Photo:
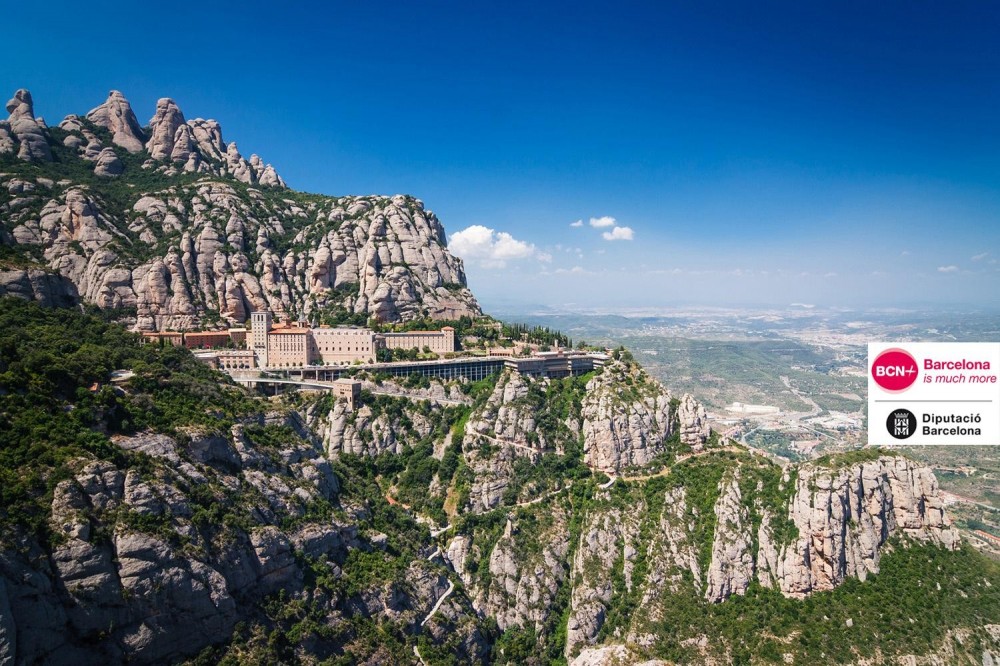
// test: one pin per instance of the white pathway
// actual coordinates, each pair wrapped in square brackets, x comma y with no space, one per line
[451,588]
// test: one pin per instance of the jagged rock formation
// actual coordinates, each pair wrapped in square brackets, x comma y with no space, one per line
[107,164]
[49,289]
[656,551]
[626,418]
[609,537]
[498,433]
[147,595]
[371,432]
[116,116]
[364,433]
[151,588]
[693,422]
[525,570]
[732,566]
[163,132]
[188,252]
[24,131]
[845,516]
[673,554]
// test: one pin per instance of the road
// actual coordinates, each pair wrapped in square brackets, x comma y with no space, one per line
[317,384]
[816,409]
[451,588]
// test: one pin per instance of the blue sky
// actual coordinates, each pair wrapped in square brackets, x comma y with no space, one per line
[750,153]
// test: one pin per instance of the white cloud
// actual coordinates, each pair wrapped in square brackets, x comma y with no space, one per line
[905,253]
[947,269]
[981,256]
[618,233]
[578,223]
[601,222]
[492,249]
[576,270]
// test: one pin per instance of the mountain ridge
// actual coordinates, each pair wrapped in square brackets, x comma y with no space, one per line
[164,514]
[173,223]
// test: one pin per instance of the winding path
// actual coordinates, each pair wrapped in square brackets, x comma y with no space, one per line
[451,588]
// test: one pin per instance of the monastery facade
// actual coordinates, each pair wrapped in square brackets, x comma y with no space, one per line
[293,345]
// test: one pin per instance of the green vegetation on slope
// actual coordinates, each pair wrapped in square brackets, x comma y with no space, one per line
[901,610]
[56,402]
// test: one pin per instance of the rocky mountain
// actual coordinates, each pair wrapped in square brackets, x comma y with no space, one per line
[170,515]
[149,521]
[151,511]
[565,564]
[172,225]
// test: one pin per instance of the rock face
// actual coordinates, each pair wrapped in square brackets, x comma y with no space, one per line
[143,590]
[163,128]
[732,566]
[845,516]
[217,245]
[499,433]
[626,418]
[608,538]
[525,571]
[107,164]
[49,289]
[366,433]
[692,422]
[116,116]
[23,128]
[146,569]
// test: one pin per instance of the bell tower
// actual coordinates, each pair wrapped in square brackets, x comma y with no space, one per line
[260,327]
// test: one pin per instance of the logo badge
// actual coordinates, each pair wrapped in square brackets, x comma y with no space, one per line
[901,423]
[894,370]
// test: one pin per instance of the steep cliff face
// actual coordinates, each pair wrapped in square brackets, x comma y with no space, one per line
[192,234]
[607,545]
[515,574]
[500,433]
[23,132]
[628,418]
[641,552]
[138,564]
[843,518]
[143,574]
[49,289]
[619,418]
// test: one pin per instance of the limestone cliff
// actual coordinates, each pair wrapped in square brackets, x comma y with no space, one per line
[49,289]
[844,516]
[524,570]
[152,566]
[652,551]
[500,432]
[628,417]
[137,564]
[201,236]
